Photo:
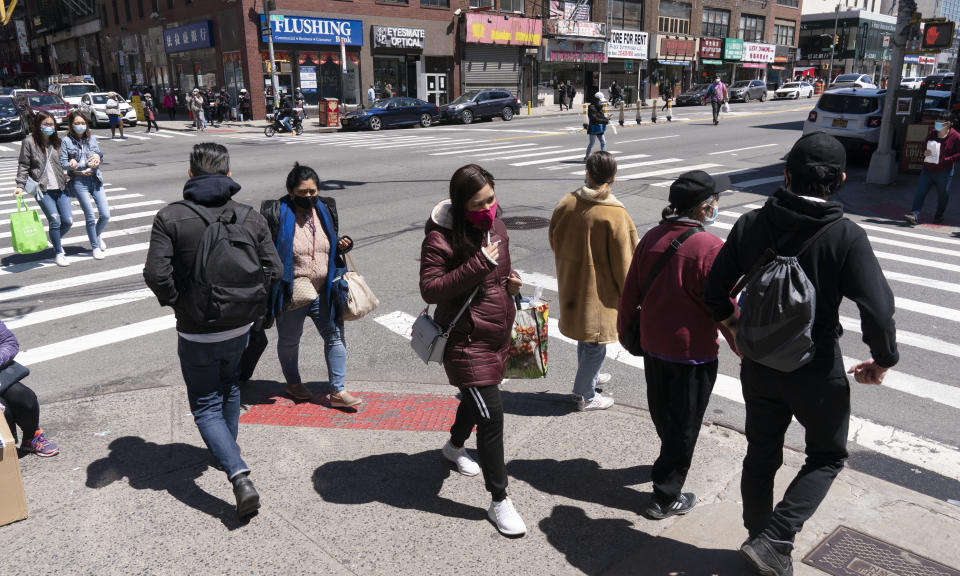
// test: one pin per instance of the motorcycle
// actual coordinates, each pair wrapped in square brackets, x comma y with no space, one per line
[276,126]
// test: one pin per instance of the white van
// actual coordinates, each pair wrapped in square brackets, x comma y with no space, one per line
[72,91]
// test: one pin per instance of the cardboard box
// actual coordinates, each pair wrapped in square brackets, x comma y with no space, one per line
[13,501]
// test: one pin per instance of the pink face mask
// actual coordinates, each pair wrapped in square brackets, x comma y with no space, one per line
[482,219]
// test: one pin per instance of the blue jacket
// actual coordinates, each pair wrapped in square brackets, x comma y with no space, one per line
[73,148]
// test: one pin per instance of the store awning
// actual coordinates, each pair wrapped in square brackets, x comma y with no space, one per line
[804,70]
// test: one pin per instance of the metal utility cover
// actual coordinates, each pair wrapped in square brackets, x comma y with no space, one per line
[847,552]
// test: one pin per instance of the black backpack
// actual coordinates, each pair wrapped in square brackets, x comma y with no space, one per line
[228,284]
[777,310]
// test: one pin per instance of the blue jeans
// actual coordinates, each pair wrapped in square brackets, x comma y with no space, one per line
[56,206]
[941,180]
[603,143]
[590,357]
[210,371]
[287,123]
[289,330]
[88,190]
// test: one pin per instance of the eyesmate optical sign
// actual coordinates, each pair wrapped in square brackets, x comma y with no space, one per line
[398,37]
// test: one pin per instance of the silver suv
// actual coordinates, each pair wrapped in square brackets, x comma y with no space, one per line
[850,115]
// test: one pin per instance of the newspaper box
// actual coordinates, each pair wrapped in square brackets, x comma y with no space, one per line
[329,112]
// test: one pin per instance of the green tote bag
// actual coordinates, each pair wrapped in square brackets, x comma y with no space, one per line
[26,230]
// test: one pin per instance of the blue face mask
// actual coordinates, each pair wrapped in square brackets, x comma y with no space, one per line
[713,217]
[80,130]
[48,130]
[938,126]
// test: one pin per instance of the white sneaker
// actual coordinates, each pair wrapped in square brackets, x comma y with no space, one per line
[598,402]
[61,259]
[465,464]
[603,378]
[98,254]
[103,246]
[506,518]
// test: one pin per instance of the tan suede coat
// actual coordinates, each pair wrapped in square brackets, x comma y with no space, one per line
[593,239]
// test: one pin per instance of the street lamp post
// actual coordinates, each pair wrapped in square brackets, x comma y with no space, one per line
[833,45]
[267,5]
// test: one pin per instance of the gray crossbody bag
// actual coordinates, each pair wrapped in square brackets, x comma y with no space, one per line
[428,339]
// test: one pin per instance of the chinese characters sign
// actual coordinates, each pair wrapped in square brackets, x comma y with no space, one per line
[485,29]
[754,52]
[576,28]
[733,49]
[676,48]
[556,50]
[711,48]
[188,37]
[627,44]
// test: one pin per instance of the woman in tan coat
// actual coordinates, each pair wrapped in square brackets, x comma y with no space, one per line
[593,239]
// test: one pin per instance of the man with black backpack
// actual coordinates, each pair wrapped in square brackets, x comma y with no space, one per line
[213,260]
[798,257]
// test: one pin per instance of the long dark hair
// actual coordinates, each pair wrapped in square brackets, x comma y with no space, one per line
[465,183]
[38,136]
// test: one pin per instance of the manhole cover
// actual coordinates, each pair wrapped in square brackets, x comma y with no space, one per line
[847,552]
[525,222]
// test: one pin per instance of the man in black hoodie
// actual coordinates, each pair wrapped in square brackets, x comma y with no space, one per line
[839,264]
[209,355]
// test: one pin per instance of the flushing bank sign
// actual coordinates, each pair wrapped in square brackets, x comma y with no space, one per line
[310,30]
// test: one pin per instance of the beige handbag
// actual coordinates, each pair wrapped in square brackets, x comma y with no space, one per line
[303,293]
[358,299]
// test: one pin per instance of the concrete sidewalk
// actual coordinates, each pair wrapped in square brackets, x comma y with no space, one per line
[134,491]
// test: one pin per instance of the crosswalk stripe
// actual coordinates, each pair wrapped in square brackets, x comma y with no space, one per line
[521,153]
[106,234]
[497,148]
[557,159]
[40,264]
[666,171]
[757,182]
[105,190]
[135,137]
[95,340]
[110,199]
[928,309]
[159,135]
[927,343]
[904,233]
[406,144]
[5,149]
[52,314]
[638,164]
[69,282]
[113,218]
[925,282]
[918,261]
[741,149]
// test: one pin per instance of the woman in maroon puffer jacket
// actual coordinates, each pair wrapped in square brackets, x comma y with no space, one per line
[466,252]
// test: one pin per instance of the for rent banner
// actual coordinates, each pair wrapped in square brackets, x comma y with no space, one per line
[627,44]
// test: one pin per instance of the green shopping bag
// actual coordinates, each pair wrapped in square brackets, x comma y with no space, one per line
[26,230]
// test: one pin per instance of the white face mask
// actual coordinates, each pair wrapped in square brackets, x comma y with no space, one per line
[712,217]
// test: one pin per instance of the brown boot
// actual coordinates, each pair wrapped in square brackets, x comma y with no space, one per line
[343,399]
[299,391]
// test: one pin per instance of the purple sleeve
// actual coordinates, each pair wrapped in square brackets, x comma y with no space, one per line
[8,345]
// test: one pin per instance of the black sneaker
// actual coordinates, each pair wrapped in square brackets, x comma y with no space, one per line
[683,504]
[911,219]
[248,500]
[765,559]
[938,219]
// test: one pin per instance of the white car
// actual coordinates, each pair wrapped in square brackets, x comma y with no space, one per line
[850,115]
[794,90]
[911,82]
[93,107]
[852,81]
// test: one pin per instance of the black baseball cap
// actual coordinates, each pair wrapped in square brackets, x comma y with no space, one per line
[817,155]
[692,188]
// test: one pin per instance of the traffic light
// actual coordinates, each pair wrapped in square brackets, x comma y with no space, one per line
[836,39]
[937,35]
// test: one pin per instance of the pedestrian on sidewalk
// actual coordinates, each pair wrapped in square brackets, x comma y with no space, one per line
[677,332]
[571,93]
[465,264]
[113,115]
[18,403]
[596,124]
[666,92]
[305,228]
[81,157]
[244,105]
[150,112]
[937,174]
[371,96]
[210,347]
[718,95]
[593,238]
[209,106]
[563,97]
[170,104]
[223,105]
[835,256]
[196,106]
[40,161]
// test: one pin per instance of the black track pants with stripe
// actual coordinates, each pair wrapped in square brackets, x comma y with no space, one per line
[482,407]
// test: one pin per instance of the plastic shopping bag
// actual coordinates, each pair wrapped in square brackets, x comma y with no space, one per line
[934,147]
[725,107]
[528,341]
[26,230]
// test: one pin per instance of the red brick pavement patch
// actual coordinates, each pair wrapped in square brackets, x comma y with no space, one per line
[379,411]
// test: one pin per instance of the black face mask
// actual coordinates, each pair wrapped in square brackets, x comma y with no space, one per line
[303,201]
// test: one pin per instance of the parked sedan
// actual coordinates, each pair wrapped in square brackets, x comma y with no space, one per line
[399,111]
[748,89]
[852,81]
[93,107]
[794,90]
[11,123]
[911,82]
[695,96]
[32,102]
[480,104]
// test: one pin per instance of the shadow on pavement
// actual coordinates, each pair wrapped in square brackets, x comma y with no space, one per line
[536,403]
[172,468]
[582,479]
[788,126]
[375,479]
[613,546]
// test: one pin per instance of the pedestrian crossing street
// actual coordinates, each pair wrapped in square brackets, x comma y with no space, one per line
[72,314]
[12,148]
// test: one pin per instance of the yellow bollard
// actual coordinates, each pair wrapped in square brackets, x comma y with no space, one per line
[528,107]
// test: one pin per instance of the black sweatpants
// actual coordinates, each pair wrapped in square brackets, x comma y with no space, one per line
[716,110]
[21,409]
[818,395]
[677,395]
[482,407]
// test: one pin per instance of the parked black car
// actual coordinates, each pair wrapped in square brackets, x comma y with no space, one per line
[480,104]
[11,122]
[392,112]
[695,96]
[747,90]
[938,81]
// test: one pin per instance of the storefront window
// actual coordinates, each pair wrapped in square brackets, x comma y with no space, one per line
[392,71]
[626,14]
[751,28]
[674,17]
[233,74]
[716,23]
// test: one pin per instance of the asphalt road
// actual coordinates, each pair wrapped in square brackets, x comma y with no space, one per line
[94,327]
